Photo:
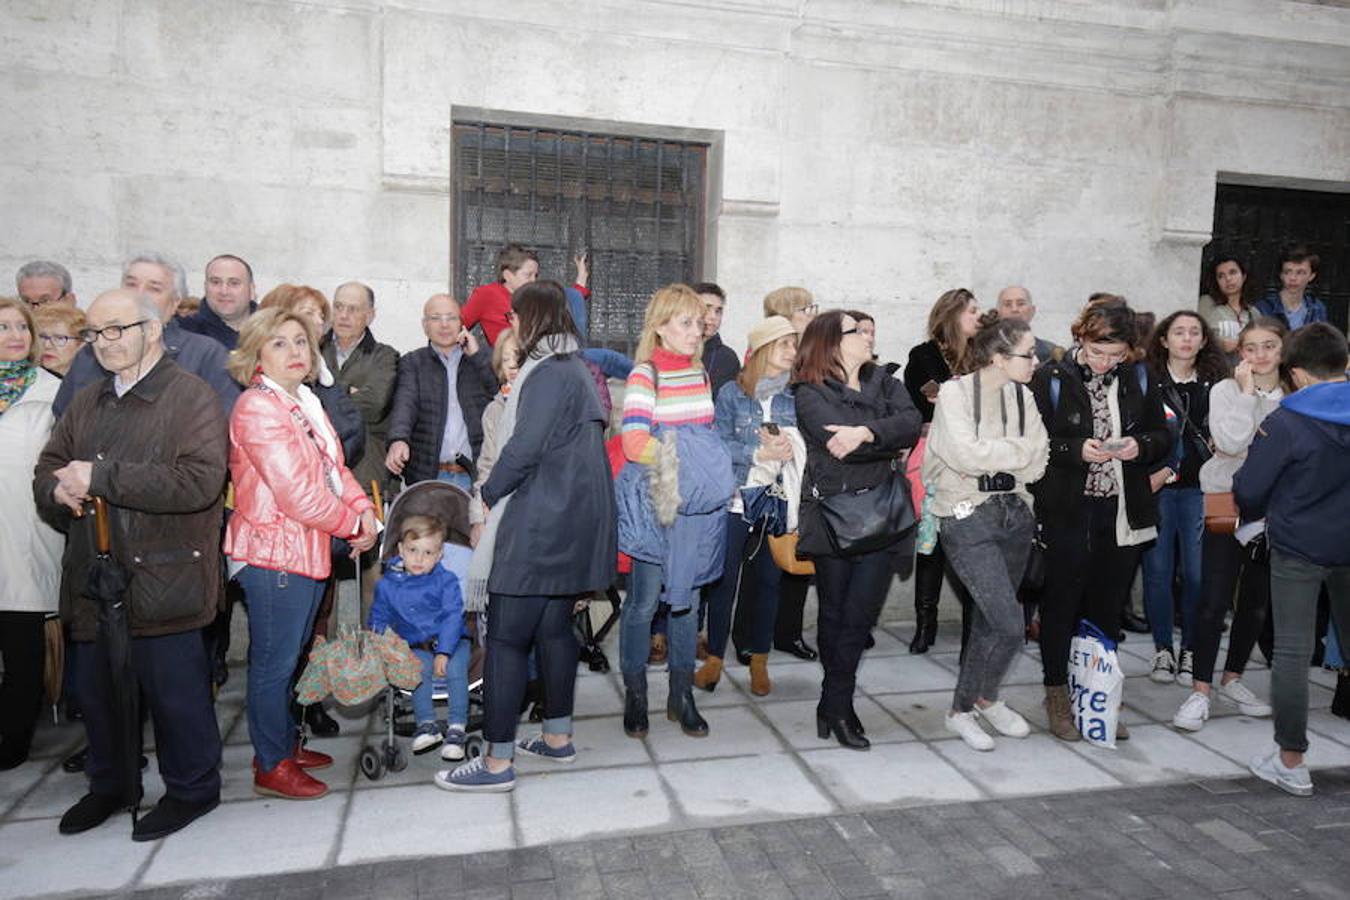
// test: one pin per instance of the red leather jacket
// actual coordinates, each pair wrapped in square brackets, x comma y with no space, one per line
[284,510]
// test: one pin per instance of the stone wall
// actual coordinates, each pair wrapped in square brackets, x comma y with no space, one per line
[877,152]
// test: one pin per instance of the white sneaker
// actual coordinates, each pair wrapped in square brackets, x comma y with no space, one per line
[968,726]
[1164,667]
[453,748]
[1005,720]
[1248,704]
[1193,713]
[1186,668]
[427,737]
[1294,781]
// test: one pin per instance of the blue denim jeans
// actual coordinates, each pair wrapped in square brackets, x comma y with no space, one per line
[281,608]
[635,623]
[516,626]
[456,686]
[1181,523]
[458,479]
[722,593]
[1333,657]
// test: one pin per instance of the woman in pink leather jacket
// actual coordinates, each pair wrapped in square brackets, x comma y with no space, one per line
[292,492]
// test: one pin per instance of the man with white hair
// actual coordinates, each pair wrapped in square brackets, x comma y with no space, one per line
[44,283]
[164,281]
[150,440]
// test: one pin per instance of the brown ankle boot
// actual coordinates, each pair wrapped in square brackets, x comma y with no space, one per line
[759,674]
[1057,710]
[709,673]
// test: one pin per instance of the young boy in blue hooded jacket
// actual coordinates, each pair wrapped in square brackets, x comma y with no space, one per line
[1297,477]
[420,599]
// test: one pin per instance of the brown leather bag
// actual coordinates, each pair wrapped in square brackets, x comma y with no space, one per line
[1221,513]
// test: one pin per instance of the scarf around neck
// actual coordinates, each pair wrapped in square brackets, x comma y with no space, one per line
[16,378]
[480,567]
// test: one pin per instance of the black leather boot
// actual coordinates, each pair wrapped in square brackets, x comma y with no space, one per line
[1340,704]
[635,705]
[680,704]
[927,592]
[320,723]
[843,731]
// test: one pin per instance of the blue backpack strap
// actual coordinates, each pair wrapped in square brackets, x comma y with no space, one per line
[1141,372]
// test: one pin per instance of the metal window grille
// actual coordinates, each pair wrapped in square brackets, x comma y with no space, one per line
[635,204]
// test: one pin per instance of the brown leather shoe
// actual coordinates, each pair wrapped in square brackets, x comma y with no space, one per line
[289,782]
[1057,710]
[760,685]
[709,673]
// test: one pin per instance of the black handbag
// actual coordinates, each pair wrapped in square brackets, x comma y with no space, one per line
[866,520]
[1033,579]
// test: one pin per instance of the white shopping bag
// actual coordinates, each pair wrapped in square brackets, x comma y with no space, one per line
[1095,685]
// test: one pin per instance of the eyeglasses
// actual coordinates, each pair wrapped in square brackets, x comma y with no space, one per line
[1027,356]
[57,340]
[1091,351]
[853,330]
[108,332]
[442,319]
[36,302]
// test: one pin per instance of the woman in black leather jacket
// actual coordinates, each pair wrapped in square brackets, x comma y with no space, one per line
[855,420]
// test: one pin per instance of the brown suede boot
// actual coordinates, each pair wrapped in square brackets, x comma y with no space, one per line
[1057,710]
[709,673]
[759,674]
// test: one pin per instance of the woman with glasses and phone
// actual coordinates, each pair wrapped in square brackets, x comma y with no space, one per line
[986,445]
[798,306]
[58,336]
[952,322]
[1095,504]
[855,420]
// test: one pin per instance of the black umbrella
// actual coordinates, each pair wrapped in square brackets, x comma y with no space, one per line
[107,586]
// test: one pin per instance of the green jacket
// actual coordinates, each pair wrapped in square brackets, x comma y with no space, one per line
[368,375]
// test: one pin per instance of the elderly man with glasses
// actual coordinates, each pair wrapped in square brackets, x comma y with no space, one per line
[150,439]
[42,283]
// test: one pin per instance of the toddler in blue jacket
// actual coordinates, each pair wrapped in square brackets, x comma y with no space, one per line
[420,599]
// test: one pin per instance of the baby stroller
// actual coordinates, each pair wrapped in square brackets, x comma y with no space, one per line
[451,505]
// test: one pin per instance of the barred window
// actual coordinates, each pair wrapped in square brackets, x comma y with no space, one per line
[635,204]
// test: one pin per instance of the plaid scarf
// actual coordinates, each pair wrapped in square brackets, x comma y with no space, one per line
[15,378]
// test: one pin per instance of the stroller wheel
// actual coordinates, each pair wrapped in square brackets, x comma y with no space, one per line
[473,746]
[394,758]
[372,766]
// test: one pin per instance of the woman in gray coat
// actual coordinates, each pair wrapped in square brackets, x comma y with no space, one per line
[549,539]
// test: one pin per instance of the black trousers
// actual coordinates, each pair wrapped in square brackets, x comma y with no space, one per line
[174,674]
[22,648]
[515,624]
[1224,566]
[851,591]
[1087,576]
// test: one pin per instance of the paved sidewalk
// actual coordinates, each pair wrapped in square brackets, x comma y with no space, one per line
[1235,839]
[762,764]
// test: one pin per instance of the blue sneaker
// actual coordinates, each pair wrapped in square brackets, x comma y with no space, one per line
[474,776]
[537,746]
[427,737]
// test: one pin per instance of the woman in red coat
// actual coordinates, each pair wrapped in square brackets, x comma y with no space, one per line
[292,493]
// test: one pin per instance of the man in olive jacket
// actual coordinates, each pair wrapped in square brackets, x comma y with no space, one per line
[151,440]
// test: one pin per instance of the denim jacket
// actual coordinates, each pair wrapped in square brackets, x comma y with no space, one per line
[739,417]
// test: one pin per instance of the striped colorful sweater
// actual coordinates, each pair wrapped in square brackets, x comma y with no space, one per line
[682,398]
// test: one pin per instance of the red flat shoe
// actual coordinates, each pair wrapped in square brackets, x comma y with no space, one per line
[289,782]
[306,758]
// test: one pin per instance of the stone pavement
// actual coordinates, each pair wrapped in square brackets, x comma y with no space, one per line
[919,812]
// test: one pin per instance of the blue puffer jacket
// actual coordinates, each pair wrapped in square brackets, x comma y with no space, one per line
[691,550]
[419,607]
[739,419]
